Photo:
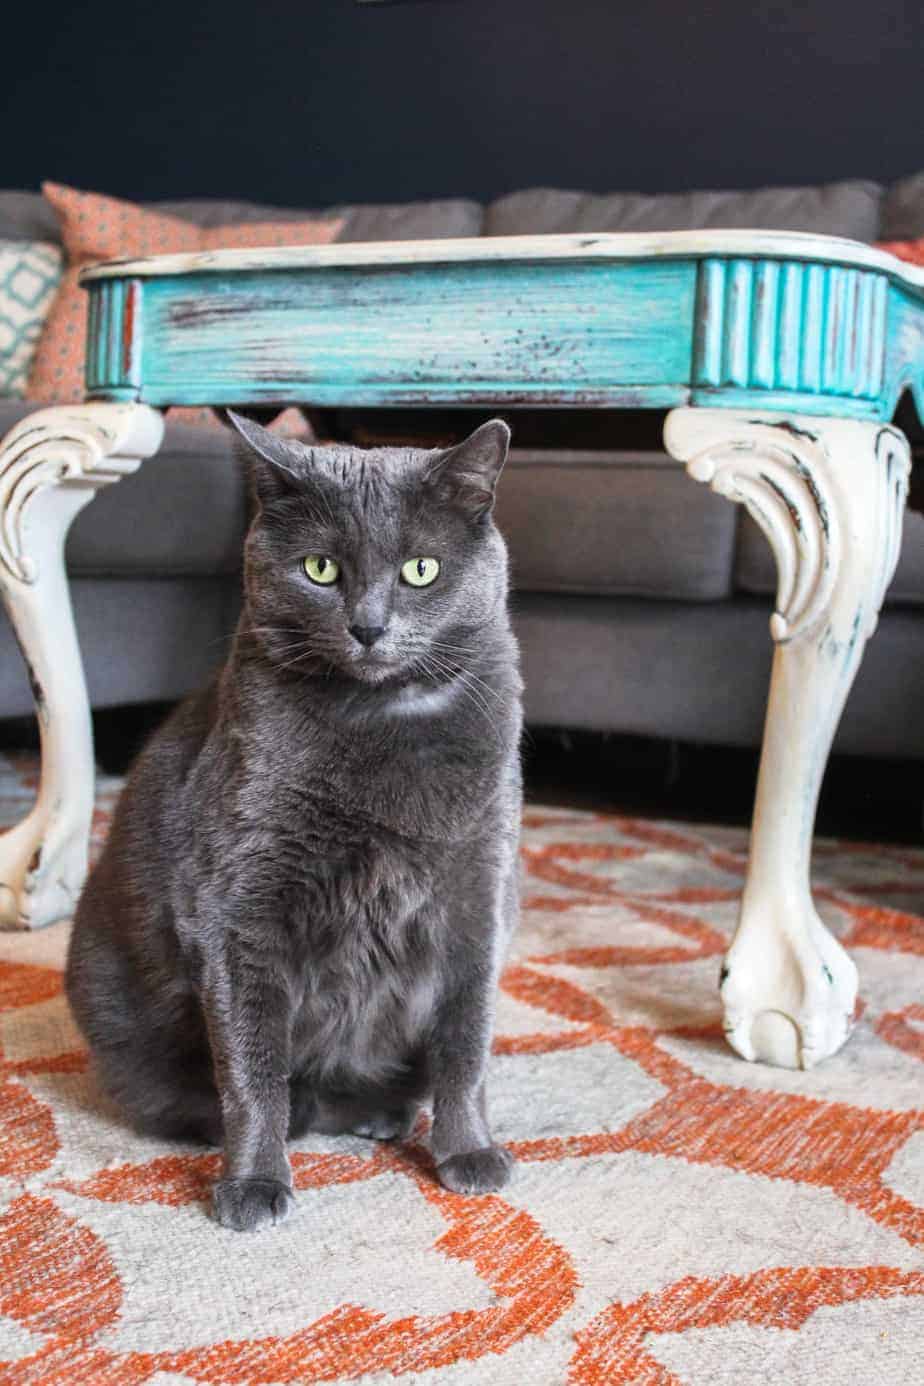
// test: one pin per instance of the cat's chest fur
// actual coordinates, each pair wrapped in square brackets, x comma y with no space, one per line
[366,926]
[365,907]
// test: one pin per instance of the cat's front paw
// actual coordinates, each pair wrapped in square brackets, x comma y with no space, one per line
[247,1204]
[478,1172]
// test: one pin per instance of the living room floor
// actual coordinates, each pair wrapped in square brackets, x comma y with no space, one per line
[672,1208]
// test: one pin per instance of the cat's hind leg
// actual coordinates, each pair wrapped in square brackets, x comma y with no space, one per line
[173,1101]
[150,1055]
[190,1113]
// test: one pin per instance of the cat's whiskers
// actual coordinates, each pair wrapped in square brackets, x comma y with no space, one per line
[469,691]
[473,696]
[256,632]
[273,651]
[273,630]
[306,653]
[443,646]
[288,647]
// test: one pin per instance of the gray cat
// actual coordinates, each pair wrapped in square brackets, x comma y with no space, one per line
[300,915]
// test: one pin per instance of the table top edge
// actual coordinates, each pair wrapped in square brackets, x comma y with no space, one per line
[583,246]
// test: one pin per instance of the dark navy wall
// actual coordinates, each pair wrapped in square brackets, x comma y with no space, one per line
[308,102]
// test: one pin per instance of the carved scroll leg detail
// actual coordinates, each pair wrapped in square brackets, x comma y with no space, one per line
[829,495]
[51,465]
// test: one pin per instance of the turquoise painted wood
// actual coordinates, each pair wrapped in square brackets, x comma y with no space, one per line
[438,334]
[736,331]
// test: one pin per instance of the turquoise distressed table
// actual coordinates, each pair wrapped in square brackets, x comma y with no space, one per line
[780,358]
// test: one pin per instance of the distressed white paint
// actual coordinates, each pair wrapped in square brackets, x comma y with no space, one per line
[829,495]
[785,245]
[51,464]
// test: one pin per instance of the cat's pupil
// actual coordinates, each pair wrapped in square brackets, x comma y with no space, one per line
[322,564]
[421,568]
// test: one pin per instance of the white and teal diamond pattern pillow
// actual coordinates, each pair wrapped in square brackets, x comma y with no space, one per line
[30,272]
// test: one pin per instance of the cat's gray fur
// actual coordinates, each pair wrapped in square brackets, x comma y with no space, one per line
[299,916]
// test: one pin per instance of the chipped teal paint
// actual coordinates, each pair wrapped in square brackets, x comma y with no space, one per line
[730,331]
[440,333]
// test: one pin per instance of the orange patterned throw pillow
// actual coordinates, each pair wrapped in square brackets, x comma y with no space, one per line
[95,228]
[905,250]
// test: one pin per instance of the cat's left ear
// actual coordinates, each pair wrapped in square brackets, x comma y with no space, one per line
[467,474]
[277,467]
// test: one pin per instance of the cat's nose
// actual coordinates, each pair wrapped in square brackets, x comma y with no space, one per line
[367,635]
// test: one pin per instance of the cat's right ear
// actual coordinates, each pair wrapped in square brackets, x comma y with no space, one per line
[276,467]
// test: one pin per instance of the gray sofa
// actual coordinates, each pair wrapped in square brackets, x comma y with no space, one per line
[641,599]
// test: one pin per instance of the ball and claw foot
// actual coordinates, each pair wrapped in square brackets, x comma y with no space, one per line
[789,1000]
[245,1205]
[478,1171]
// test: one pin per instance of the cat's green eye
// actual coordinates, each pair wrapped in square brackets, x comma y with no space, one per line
[321,569]
[420,572]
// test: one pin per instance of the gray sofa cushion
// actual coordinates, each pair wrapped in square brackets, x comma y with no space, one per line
[140,640]
[837,209]
[903,210]
[222,211]
[700,673]
[26,216]
[411,221]
[11,411]
[755,571]
[183,513]
[406,221]
[626,524]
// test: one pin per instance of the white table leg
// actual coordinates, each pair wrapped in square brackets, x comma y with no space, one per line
[829,495]
[51,464]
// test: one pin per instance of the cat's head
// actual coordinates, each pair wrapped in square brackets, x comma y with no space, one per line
[382,564]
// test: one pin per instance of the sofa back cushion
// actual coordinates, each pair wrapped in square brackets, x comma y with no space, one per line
[26,216]
[903,210]
[849,209]
[613,524]
[411,221]
[399,221]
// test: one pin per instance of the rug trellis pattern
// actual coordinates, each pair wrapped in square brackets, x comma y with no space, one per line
[677,1216]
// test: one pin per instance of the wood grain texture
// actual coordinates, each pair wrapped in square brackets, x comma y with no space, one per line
[742,320]
[517,332]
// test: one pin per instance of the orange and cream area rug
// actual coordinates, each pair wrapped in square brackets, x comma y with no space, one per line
[676,1216]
